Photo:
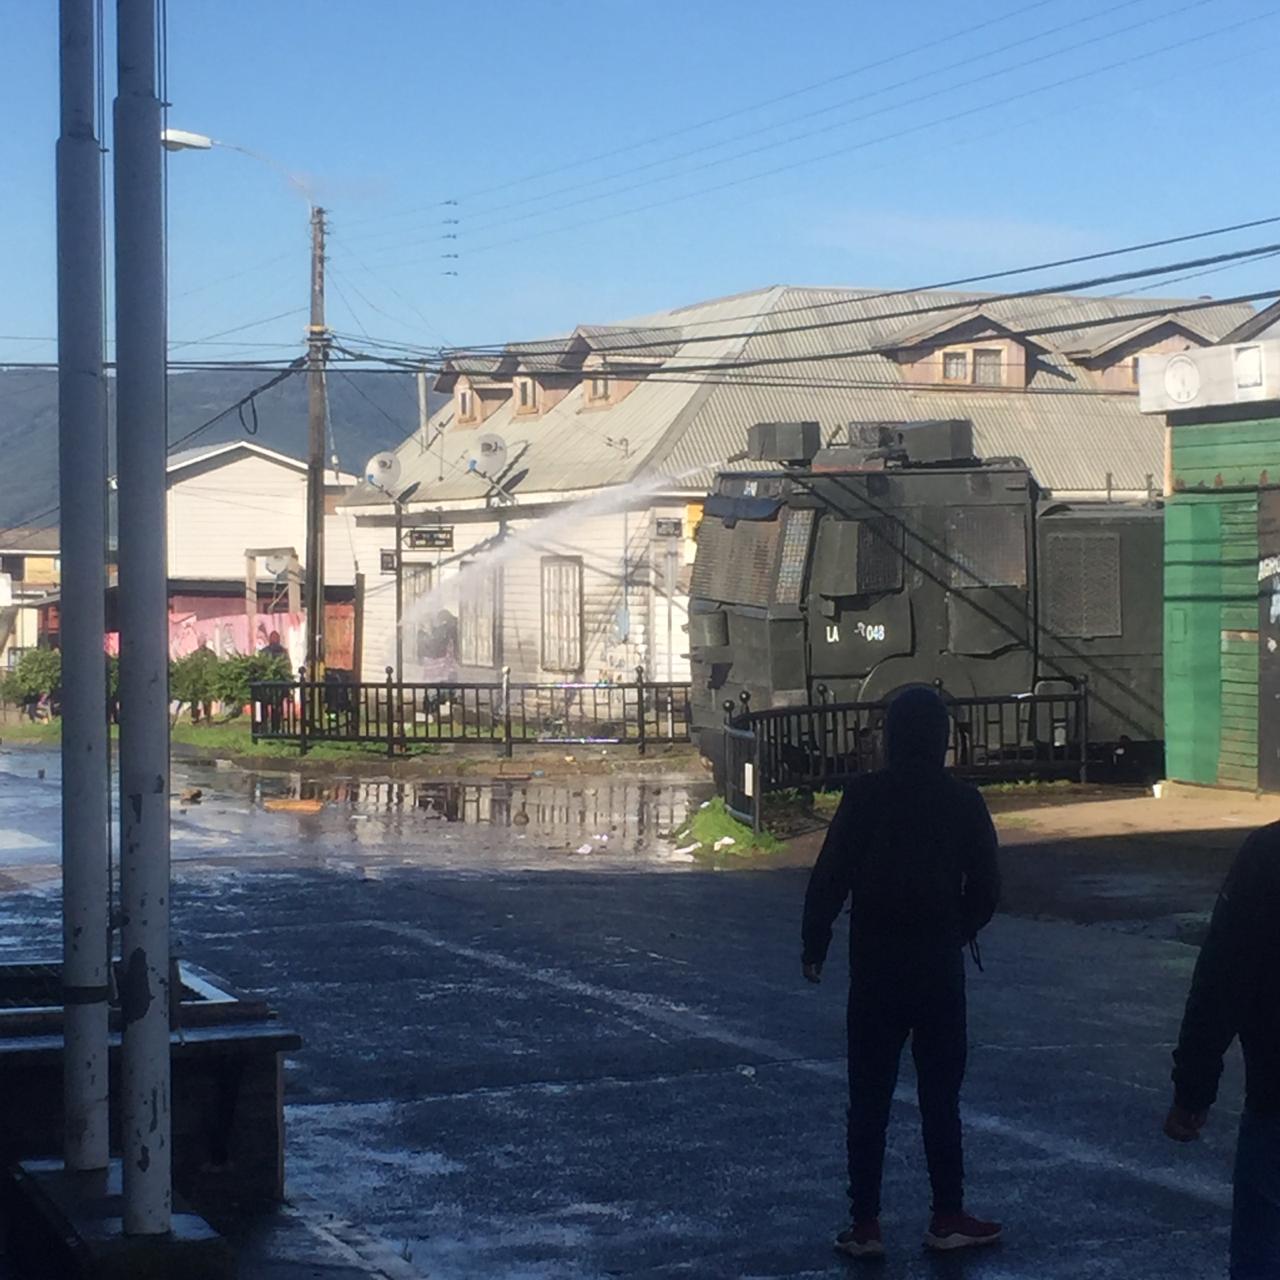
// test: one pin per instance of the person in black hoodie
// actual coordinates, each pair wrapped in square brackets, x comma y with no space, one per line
[1235,991]
[916,850]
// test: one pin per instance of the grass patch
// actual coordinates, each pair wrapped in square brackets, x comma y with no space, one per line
[230,739]
[720,837]
[33,732]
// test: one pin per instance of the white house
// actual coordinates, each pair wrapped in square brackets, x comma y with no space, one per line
[550,507]
[228,499]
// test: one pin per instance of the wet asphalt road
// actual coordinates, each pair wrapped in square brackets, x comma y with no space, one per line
[525,1061]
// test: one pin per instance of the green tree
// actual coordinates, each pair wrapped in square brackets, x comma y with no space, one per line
[39,672]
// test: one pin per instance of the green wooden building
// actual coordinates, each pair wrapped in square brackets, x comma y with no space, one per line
[1221,562]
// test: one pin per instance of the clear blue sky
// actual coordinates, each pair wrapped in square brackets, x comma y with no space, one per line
[390,107]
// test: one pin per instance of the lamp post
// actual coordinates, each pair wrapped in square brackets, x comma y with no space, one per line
[82,478]
[144,628]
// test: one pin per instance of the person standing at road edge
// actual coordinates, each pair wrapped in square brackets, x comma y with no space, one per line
[1235,991]
[915,848]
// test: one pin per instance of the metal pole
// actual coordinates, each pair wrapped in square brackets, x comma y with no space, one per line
[144,626]
[424,412]
[317,353]
[82,476]
[399,591]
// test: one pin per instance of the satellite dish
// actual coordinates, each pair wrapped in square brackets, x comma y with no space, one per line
[382,471]
[276,565]
[489,455]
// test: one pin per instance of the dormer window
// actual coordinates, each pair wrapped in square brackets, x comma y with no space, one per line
[466,405]
[955,366]
[599,389]
[526,395]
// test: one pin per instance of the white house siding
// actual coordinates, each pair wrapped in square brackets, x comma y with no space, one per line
[517,557]
[379,646]
[597,540]
[221,506]
[217,511]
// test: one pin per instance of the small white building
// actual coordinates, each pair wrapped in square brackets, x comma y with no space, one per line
[227,499]
[550,506]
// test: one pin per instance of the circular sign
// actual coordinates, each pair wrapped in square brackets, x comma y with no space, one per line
[1182,380]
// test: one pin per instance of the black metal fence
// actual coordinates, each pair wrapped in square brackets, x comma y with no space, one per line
[817,747]
[502,713]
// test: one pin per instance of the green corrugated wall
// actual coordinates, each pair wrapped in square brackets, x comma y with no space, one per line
[1211,600]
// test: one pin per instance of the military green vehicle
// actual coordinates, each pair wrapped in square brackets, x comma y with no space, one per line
[844,574]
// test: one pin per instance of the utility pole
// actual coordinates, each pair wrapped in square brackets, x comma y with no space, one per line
[141,326]
[317,354]
[82,481]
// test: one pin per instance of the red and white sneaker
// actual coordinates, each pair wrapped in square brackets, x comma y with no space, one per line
[959,1231]
[862,1240]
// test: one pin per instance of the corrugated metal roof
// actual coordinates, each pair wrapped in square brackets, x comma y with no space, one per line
[653,341]
[31,538]
[687,424]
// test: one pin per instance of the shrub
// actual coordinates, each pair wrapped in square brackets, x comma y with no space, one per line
[233,676]
[192,679]
[39,672]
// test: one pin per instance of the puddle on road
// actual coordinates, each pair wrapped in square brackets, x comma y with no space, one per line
[631,814]
[227,817]
[629,809]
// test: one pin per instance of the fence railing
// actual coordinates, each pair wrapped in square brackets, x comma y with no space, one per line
[502,713]
[824,745]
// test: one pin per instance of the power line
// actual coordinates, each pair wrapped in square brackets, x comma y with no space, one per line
[175,445]
[934,308]
[906,131]
[820,357]
[684,130]
[915,100]
[240,328]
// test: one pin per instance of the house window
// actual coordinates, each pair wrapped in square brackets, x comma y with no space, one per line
[955,366]
[464,405]
[1133,371]
[526,393]
[477,616]
[599,387]
[988,367]
[416,587]
[561,613]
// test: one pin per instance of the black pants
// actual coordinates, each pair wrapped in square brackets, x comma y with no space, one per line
[892,997]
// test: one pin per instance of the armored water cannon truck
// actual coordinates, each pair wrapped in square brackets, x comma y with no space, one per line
[898,557]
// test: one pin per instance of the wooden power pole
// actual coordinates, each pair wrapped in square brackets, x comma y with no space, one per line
[317,354]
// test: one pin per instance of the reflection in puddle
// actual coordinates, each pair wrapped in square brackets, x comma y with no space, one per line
[604,810]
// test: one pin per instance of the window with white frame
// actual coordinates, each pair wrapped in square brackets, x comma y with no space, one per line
[955,366]
[466,404]
[477,616]
[562,613]
[526,394]
[599,390]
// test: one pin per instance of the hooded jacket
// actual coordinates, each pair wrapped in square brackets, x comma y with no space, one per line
[1234,990]
[914,847]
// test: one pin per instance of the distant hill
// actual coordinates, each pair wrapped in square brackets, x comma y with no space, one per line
[368,412]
